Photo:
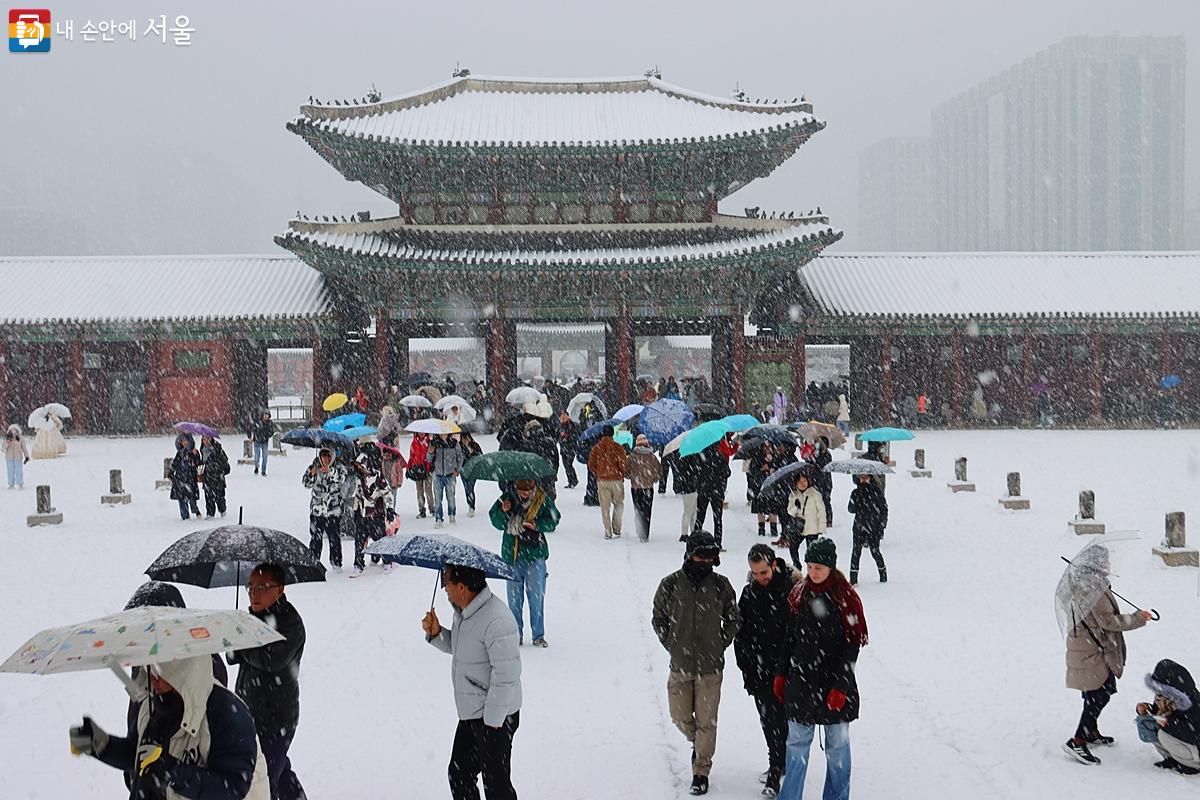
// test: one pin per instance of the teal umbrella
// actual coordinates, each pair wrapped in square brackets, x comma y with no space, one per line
[624,438]
[507,465]
[741,422]
[886,435]
[702,436]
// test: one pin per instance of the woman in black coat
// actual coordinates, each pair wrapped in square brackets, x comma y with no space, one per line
[759,645]
[869,507]
[822,480]
[184,488]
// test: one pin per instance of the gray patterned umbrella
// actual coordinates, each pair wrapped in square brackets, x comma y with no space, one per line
[227,555]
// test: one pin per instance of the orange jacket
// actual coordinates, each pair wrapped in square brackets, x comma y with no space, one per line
[607,460]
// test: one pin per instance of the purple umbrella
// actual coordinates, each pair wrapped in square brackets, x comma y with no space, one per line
[198,428]
[1039,388]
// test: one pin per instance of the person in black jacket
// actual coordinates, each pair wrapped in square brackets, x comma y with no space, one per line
[759,647]
[184,489]
[814,676]
[712,476]
[568,439]
[261,434]
[870,509]
[822,480]
[214,466]
[269,678]
[1176,714]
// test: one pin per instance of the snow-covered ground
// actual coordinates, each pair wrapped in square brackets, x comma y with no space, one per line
[962,684]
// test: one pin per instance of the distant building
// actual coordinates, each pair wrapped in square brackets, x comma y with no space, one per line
[1079,147]
[893,195]
[1192,228]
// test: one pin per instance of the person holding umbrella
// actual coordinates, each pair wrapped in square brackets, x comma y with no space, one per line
[526,514]
[326,477]
[269,678]
[184,472]
[643,470]
[712,478]
[372,505]
[807,510]
[214,466]
[419,460]
[870,509]
[486,673]
[1095,647]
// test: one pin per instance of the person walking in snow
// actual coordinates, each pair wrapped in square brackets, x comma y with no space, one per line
[269,678]
[759,645]
[696,618]
[843,415]
[325,477]
[643,469]
[1175,716]
[760,465]
[807,511]
[470,448]
[568,440]
[712,479]
[1095,660]
[526,514]
[870,509]
[608,462]
[372,505]
[779,403]
[214,466]
[183,475]
[486,673]
[446,460]
[823,481]
[261,434]
[16,456]
[419,461]
[814,677]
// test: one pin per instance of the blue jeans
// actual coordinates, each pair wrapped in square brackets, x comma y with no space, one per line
[443,484]
[185,503]
[260,449]
[844,426]
[837,761]
[16,471]
[469,491]
[531,580]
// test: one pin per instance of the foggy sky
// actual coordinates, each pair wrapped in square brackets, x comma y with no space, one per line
[141,147]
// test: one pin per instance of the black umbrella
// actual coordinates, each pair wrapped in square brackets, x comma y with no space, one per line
[226,556]
[775,434]
[789,473]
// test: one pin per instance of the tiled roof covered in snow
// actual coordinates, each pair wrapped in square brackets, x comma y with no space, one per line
[477,110]
[160,288]
[1109,284]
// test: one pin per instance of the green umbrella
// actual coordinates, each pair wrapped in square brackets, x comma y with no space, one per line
[507,465]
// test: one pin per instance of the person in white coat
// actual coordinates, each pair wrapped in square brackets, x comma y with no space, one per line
[843,415]
[806,507]
[486,672]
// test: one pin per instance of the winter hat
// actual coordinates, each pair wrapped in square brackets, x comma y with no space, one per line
[821,551]
[702,543]
[642,441]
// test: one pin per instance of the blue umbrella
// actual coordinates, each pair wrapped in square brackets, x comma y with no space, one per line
[626,413]
[663,420]
[319,437]
[345,421]
[741,422]
[886,435]
[359,432]
[704,435]
[435,551]
[1170,381]
[594,431]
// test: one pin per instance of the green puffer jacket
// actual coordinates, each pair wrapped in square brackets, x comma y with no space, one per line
[696,622]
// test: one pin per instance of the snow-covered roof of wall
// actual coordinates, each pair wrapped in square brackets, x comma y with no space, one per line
[1005,284]
[156,288]
[584,111]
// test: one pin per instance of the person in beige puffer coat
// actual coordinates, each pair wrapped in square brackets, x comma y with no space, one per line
[1095,659]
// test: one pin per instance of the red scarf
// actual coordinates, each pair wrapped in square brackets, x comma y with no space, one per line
[854,621]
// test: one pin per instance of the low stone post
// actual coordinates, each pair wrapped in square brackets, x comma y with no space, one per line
[858,446]
[1085,522]
[247,452]
[277,446]
[116,490]
[46,514]
[918,470]
[1174,550]
[1013,501]
[165,481]
[960,482]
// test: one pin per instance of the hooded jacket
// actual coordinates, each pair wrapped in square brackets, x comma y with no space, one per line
[486,665]
[216,466]
[1175,683]
[869,507]
[445,455]
[213,742]
[760,640]
[712,471]
[183,468]
[327,499]
[643,468]
[1096,644]
[269,676]
[14,443]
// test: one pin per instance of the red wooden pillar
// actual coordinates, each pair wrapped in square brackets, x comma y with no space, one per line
[496,372]
[799,364]
[1027,376]
[738,367]
[624,356]
[957,377]
[75,385]
[885,378]
[1097,378]
[382,358]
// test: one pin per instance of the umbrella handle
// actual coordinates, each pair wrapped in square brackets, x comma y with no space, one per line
[1154,615]
[137,693]
[436,581]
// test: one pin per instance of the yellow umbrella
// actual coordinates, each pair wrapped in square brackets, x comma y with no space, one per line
[335,401]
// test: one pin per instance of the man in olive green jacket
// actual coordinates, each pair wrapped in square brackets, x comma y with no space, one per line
[696,618]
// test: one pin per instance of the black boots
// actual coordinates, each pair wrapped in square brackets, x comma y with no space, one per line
[775,530]
[762,529]
[699,784]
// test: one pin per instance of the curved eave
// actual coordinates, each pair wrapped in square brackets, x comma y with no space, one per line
[1015,317]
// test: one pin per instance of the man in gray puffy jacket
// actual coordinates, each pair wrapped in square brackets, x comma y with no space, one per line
[446,459]
[486,672]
